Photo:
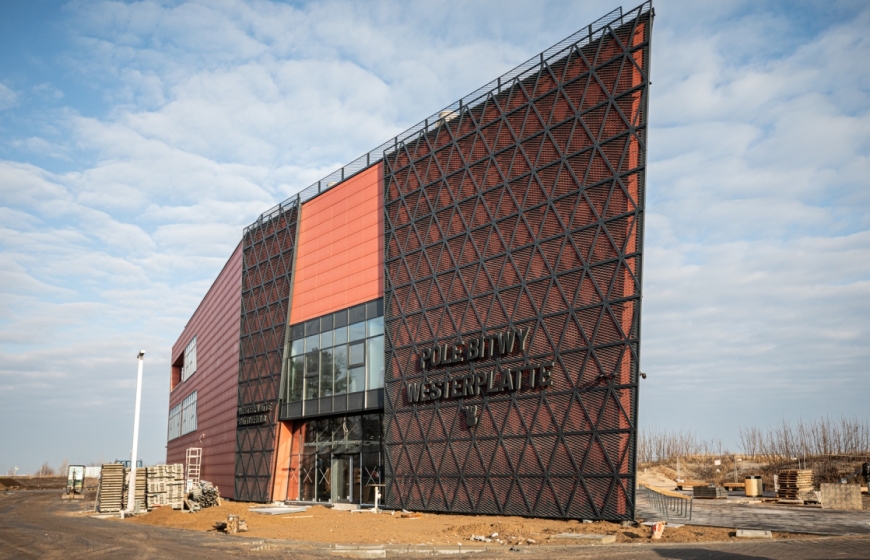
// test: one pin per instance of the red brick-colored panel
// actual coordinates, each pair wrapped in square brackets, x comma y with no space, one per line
[340,258]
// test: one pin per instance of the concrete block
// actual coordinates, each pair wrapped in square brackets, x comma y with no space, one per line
[282,510]
[361,553]
[586,538]
[360,550]
[841,496]
[753,534]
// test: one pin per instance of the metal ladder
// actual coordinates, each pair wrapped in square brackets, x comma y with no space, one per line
[193,460]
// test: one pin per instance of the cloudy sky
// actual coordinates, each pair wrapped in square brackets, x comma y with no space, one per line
[138,139]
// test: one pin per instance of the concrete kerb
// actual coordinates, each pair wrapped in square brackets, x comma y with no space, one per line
[383,550]
[586,538]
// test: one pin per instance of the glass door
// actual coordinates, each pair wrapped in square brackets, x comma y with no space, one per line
[342,487]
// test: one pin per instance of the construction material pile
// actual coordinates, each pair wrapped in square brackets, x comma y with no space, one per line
[709,492]
[160,485]
[795,484]
[110,496]
[203,494]
[165,486]
[141,487]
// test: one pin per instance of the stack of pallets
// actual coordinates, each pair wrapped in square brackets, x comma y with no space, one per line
[111,494]
[164,482]
[141,487]
[794,484]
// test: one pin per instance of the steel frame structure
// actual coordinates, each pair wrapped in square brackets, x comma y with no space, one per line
[524,210]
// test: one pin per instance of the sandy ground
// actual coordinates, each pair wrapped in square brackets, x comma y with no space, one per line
[659,477]
[322,524]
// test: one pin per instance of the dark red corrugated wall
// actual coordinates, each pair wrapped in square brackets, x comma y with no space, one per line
[215,323]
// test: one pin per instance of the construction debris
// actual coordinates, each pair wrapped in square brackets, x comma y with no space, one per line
[203,494]
[160,485]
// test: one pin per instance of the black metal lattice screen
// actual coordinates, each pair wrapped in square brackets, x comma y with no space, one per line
[523,211]
[266,281]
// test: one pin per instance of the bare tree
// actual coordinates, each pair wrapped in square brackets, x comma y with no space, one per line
[45,470]
[821,437]
[64,467]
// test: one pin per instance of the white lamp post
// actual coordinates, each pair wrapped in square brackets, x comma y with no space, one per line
[131,490]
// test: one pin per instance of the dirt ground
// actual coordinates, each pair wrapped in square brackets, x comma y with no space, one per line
[32,483]
[38,525]
[332,526]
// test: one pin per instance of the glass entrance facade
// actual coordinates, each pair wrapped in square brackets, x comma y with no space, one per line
[341,459]
[336,363]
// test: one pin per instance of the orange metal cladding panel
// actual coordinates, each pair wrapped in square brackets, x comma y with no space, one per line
[215,323]
[282,455]
[341,247]
[290,436]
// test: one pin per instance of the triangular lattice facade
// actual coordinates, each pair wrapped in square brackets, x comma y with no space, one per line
[524,210]
[266,281]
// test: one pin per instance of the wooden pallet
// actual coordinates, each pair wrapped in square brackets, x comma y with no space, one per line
[111,494]
[794,483]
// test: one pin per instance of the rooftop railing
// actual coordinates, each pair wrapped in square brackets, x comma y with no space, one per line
[584,36]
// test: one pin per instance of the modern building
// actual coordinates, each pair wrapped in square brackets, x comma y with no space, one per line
[454,317]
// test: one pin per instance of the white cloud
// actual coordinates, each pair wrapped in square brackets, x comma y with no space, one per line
[8,98]
[756,295]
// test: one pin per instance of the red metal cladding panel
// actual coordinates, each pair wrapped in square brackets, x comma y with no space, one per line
[215,324]
[341,253]
[522,213]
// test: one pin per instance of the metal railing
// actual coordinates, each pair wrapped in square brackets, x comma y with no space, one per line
[584,36]
[672,506]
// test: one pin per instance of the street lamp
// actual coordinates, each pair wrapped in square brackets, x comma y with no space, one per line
[131,490]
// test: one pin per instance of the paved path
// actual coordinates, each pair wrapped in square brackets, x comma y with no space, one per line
[36,525]
[722,513]
[822,548]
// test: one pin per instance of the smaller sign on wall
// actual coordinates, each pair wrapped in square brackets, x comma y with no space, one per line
[253,414]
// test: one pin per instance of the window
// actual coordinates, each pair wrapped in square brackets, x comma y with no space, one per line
[188,414]
[340,362]
[189,367]
[345,356]
[297,369]
[174,422]
[312,371]
[357,355]
[375,361]
[357,331]
[375,326]
[326,373]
